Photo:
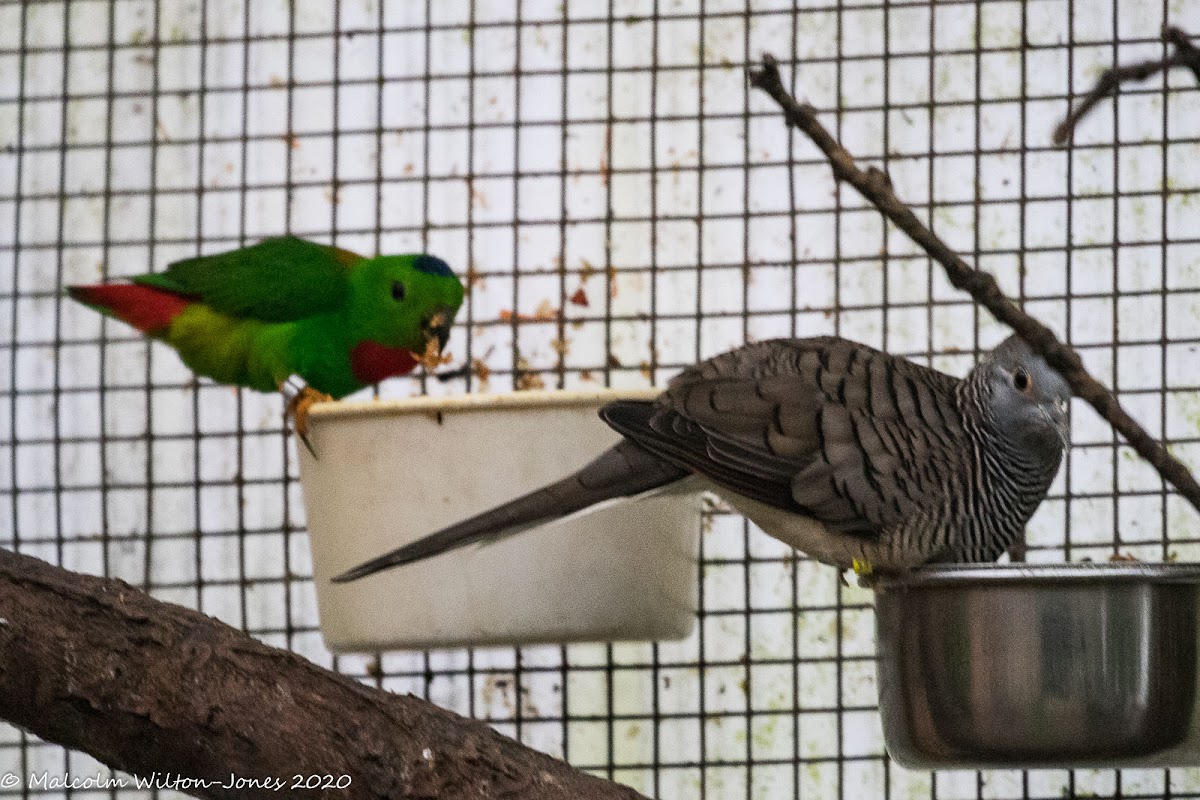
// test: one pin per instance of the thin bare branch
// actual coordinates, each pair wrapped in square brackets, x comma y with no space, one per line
[1186,55]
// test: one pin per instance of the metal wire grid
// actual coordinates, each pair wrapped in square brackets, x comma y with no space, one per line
[547,149]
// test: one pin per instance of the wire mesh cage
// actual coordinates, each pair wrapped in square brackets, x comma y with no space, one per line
[621,206]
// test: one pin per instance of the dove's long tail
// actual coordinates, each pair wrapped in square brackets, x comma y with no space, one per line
[622,471]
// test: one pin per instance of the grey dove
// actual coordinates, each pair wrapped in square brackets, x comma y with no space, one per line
[856,457]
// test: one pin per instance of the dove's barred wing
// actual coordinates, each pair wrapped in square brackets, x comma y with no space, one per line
[821,427]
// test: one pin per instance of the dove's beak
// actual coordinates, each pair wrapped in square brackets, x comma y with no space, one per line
[1057,415]
[437,326]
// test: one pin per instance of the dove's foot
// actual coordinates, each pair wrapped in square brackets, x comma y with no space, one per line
[297,409]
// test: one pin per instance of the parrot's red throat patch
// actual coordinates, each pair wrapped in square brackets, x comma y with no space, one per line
[148,309]
[371,362]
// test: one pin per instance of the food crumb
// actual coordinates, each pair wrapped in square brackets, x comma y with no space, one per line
[525,379]
[545,311]
[481,371]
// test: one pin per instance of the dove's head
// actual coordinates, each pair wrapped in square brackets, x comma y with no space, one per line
[1028,400]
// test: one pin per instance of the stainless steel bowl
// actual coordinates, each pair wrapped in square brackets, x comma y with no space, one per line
[1073,665]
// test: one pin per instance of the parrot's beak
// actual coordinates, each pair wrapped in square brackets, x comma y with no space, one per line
[437,326]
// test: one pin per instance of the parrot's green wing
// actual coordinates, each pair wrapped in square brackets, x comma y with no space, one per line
[276,280]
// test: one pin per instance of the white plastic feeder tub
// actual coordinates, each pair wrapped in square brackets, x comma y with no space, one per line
[390,472]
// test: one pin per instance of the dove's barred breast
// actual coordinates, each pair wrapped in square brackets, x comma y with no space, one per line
[1009,484]
[989,489]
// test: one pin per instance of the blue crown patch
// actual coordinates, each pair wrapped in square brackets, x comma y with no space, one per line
[433,265]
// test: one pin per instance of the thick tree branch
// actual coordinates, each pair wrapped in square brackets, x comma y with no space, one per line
[875,186]
[1186,55]
[145,686]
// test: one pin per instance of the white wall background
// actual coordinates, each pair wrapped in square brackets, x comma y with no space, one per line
[586,148]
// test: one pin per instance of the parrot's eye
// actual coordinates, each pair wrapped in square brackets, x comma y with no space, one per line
[1021,380]
[397,291]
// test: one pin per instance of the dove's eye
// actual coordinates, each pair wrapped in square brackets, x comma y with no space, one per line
[1021,380]
[397,291]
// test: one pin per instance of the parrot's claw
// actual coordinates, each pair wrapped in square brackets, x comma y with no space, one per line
[297,409]
[307,444]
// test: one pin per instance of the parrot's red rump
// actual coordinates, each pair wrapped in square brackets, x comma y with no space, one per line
[372,362]
[148,309]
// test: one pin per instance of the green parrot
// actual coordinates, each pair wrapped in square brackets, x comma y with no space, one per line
[256,316]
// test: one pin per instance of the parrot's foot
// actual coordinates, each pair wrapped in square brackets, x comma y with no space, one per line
[1122,557]
[297,409]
